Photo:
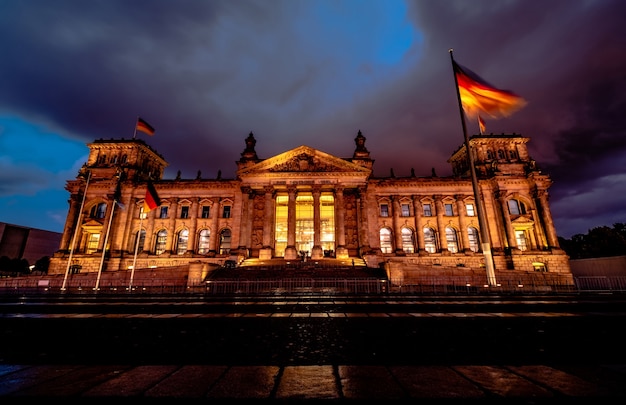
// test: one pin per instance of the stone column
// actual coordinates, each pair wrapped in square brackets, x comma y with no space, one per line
[397,223]
[171,226]
[460,207]
[317,252]
[291,252]
[419,223]
[508,226]
[546,217]
[215,213]
[71,225]
[340,211]
[265,253]
[364,241]
[439,209]
[193,225]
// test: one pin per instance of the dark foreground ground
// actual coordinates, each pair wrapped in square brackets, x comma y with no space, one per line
[541,349]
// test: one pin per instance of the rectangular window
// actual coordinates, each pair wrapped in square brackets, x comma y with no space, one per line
[449,210]
[428,212]
[206,210]
[384,210]
[184,212]
[163,213]
[469,208]
[226,211]
[406,210]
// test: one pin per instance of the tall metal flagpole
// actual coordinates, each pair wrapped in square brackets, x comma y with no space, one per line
[104,248]
[73,245]
[484,231]
[135,133]
[132,271]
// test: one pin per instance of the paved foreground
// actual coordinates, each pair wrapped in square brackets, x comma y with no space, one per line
[528,350]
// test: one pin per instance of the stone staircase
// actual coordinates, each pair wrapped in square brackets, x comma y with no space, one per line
[255,269]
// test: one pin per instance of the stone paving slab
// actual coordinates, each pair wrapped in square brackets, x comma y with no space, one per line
[529,384]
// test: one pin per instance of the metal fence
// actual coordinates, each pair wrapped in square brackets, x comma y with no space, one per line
[305,285]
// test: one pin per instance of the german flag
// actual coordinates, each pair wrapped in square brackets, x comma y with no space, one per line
[144,127]
[152,199]
[479,96]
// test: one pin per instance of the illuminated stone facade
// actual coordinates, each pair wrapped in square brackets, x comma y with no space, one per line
[305,202]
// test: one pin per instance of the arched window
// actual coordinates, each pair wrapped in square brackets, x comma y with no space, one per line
[98,211]
[385,240]
[490,155]
[501,154]
[181,243]
[203,241]
[430,240]
[474,239]
[452,240]
[512,155]
[516,207]
[142,241]
[408,244]
[225,236]
[159,247]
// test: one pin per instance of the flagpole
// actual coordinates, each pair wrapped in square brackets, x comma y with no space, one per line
[484,231]
[104,248]
[135,133]
[132,271]
[73,243]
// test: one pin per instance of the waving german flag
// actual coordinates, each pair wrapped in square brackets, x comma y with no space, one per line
[144,127]
[479,96]
[152,199]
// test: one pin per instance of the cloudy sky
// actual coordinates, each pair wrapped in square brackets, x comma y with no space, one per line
[206,73]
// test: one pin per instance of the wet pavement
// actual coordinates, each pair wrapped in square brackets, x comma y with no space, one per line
[315,349]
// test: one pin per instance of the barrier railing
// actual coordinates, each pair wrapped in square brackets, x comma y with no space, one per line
[301,285]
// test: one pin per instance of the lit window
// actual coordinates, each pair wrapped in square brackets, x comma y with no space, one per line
[474,240]
[184,212]
[181,243]
[384,210]
[449,210]
[469,208]
[159,247]
[225,242]
[142,240]
[520,237]
[92,242]
[163,213]
[428,212]
[203,241]
[452,240]
[430,241]
[406,210]
[407,240]
[385,240]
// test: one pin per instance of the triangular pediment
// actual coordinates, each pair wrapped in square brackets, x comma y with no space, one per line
[92,224]
[522,222]
[301,160]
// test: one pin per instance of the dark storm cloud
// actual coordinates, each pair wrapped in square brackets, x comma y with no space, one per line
[206,73]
